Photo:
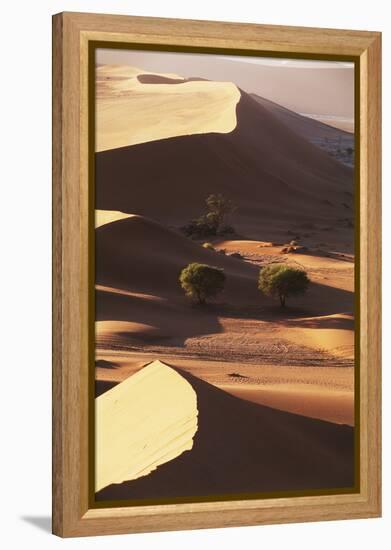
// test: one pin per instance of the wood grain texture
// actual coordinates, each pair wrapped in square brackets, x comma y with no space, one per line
[370,269]
[57,461]
[71,33]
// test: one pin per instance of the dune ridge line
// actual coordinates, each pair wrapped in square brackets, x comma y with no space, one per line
[130,111]
[148,419]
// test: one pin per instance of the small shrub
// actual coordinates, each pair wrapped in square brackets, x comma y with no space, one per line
[209,246]
[211,223]
[218,208]
[199,229]
[201,281]
[282,281]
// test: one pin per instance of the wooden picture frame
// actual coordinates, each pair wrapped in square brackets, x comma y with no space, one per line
[72,33]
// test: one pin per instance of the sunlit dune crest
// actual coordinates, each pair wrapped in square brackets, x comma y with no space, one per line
[145,421]
[130,112]
[109,72]
[108,216]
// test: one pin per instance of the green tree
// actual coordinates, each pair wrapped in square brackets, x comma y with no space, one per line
[282,281]
[218,208]
[201,281]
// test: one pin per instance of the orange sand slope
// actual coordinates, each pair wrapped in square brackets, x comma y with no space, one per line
[290,359]
[143,422]
[312,385]
[242,447]
[141,307]
[139,299]
[139,255]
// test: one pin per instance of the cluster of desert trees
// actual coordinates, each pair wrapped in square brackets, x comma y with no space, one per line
[212,222]
[202,281]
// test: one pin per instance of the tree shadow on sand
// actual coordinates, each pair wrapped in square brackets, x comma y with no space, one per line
[319,301]
[170,323]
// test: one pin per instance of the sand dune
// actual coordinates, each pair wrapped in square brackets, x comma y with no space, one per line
[276,177]
[322,88]
[308,128]
[159,79]
[128,319]
[318,390]
[143,422]
[345,125]
[132,109]
[152,177]
[107,216]
[243,447]
[332,405]
[140,255]
[298,360]
[334,333]
[139,302]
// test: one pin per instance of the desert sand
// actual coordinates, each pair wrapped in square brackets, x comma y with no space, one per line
[267,377]
[280,181]
[335,135]
[107,216]
[145,421]
[304,354]
[319,88]
[242,447]
[129,111]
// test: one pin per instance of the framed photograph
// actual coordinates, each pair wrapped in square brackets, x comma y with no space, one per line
[216,230]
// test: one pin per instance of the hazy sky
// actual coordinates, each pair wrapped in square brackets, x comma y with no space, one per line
[306,86]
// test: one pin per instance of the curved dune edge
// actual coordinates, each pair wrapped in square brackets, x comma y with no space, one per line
[131,112]
[244,447]
[147,78]
[145,421]
[102,217]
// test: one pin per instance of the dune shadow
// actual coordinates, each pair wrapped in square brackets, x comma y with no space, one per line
[338,323]
[243,447]
[327,300]
[319,301]
[170,322]
[102,386]
[158,79]
[267,163]
[173,322]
